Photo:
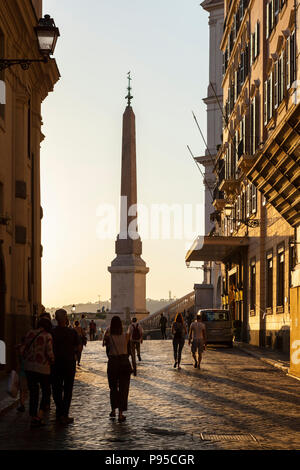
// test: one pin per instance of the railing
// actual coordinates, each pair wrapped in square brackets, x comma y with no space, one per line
[170,311]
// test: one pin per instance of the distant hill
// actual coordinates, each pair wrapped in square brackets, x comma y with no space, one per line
[151,304]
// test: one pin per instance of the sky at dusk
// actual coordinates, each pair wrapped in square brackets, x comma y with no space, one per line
[164,43]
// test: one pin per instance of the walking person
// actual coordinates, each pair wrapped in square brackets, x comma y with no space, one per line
[118,367]
[81,336]
[163,325]
[65,347]
[197,336]
[92,330]
[179,331]
[135,332]
[84,323]
[38,357]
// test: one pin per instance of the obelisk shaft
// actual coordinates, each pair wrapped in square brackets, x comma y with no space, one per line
[128,241]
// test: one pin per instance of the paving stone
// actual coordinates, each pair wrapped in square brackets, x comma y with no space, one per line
[231,394]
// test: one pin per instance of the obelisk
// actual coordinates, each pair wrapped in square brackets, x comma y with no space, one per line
[128,270]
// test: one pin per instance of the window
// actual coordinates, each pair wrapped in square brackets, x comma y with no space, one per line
[266,103]
[275,74]
[281,78]
[290,60]
[238,211]
[280,276]
[253,199]
[248,201]
[269,280]
[252,285]
[221,315]
[270,18]
[270,97]
[254,44]
[254,127]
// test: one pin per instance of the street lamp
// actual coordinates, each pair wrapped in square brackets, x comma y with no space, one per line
[47,34]
[73,311]
[249,222]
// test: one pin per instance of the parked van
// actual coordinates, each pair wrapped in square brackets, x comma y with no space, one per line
[219,327]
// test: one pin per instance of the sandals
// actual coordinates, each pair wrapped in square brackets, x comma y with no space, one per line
[112,414]
[121,419]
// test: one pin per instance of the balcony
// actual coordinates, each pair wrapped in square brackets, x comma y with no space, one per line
[219,201]
[246,162]
[231,187]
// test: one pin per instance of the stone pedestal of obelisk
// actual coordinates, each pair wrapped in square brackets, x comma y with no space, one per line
[128,270]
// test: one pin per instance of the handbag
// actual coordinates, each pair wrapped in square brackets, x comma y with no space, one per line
[28,346]
[13,384]
[123,360]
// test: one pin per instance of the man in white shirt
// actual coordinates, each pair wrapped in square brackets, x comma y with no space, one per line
[136,338]
[197,336]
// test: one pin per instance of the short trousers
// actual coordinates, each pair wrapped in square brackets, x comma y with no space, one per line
[197,345]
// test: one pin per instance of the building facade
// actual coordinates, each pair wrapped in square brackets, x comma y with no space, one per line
[257,171]
[20,139]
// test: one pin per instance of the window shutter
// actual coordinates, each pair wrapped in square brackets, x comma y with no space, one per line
[271,96]
[257,122]
[252,54]
[248,208]
[266,102]
[275,75]
[292,59]
[235,86]
[288,62]
[257,39]
[254,199]
[238,210]
[267,21]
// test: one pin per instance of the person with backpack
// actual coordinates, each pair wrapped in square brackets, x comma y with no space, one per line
[136,338]
[179,331]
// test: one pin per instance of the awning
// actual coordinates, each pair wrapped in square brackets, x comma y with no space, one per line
[216,248]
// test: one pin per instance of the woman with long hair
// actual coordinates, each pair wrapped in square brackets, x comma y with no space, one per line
[179,331]
[118,367]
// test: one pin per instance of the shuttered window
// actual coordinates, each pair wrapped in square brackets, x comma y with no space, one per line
[252,285]
[280,276]
[253,199]
[269,280]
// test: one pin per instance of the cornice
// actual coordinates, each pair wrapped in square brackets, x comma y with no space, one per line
[210,5]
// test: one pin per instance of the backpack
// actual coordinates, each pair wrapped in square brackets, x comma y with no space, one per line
[136,334]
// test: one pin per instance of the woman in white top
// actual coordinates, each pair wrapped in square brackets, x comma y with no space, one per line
[118,367]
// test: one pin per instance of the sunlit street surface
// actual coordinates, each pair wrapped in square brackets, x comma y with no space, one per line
[233,402]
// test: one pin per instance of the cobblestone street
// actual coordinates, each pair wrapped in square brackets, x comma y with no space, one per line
[168,408]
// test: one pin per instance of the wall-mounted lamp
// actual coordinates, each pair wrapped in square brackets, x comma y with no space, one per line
[47,34]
